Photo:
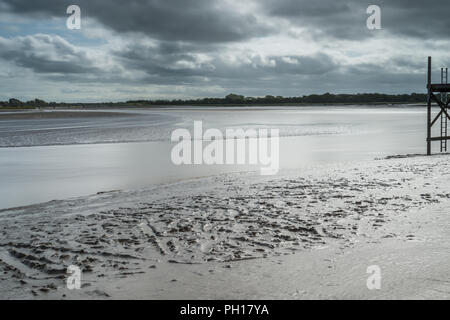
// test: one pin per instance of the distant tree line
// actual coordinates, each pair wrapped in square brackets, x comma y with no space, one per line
[235,99]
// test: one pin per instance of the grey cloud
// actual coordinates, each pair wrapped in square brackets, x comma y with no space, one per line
[178,64]
[164,58]
[326,17]
[347,19]
[194,20]
[275,67]
[211,21]
[190,45]
[45,54]
[179,61]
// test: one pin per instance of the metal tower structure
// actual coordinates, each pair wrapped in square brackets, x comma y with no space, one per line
[441,100]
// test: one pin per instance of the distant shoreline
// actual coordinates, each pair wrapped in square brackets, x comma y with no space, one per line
[237,100]
[95,106]
[59,115]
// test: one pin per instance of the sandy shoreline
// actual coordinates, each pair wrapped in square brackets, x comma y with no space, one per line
[50,114]
[298,236]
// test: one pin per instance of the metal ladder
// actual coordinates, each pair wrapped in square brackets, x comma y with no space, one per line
[444,120]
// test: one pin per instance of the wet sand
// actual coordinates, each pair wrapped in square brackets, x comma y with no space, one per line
[28,115]
[304,234]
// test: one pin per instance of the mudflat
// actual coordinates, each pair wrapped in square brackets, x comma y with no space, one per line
[59,114]
[304,234]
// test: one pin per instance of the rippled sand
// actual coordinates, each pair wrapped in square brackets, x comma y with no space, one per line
[215,226]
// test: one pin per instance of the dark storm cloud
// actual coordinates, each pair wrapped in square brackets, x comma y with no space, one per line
[188,20]
[201,43]
[347,19]
[327,17]
[213,21]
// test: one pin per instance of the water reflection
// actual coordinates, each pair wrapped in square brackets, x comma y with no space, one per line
[42,173]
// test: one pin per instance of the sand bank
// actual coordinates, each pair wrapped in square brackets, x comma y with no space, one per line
[27,115]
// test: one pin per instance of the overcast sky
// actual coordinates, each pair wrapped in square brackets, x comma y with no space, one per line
[153,49]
